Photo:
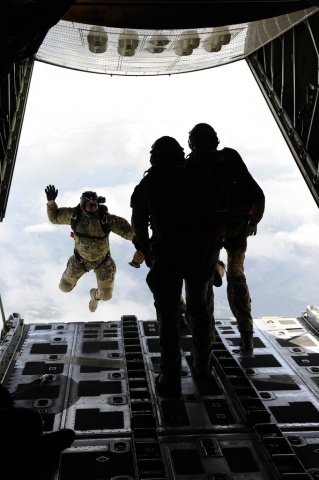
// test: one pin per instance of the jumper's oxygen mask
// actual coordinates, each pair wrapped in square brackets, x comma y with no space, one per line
[90,203]
[91,208]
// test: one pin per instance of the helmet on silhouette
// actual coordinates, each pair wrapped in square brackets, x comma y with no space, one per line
[203,137]
[167,151]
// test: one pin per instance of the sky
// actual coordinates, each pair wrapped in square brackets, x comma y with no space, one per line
[85,131]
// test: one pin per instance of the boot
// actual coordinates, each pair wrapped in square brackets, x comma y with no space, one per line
[93,302]
[202,369]
[59,440]
[202,372]
[168,384]
[246,343]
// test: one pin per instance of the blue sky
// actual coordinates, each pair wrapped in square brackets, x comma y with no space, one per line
[86,131]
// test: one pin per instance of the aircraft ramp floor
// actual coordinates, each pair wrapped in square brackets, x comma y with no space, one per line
[256,419]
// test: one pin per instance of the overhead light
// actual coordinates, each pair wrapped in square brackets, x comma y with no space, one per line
[127,45]
[157,44]
[187,43]
[225,38]
[155,49]
[97,40]
[159,41]
[215,42]
[212,44]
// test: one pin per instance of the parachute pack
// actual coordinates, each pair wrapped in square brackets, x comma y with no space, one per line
[77,212]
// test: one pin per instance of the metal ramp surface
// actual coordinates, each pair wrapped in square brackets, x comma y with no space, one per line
[256,419]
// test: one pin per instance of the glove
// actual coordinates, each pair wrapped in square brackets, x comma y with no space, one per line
[138,258]
[134,264]
[251,230]
[51,192]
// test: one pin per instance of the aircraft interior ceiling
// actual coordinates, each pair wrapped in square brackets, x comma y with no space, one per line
[279,40]
[140,52]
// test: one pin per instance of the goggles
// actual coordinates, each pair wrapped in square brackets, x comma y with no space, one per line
[89,204]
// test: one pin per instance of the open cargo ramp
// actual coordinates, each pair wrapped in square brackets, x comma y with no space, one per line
[257,418]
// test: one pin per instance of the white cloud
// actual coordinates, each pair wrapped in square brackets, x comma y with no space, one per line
[305,236]
[42,227]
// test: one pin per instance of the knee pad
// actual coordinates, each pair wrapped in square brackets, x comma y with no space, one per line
[65,286]
[236,279]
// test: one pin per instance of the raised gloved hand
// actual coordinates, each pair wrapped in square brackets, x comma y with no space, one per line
[51,192]
[251,229]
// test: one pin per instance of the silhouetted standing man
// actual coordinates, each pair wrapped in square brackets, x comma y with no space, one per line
[178,204]
[247,205]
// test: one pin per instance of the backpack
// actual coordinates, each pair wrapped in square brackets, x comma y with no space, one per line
[77,212]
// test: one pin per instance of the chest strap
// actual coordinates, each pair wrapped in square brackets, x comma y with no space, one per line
[92,237]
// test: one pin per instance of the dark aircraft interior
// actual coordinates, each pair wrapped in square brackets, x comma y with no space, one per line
[256,418]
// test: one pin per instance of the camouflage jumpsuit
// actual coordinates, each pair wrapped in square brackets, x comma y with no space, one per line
[90,253]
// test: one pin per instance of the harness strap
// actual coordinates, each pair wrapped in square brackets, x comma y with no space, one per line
[94,237]
[105,259]
[79,259]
